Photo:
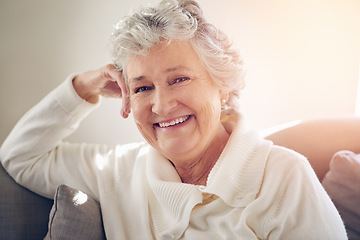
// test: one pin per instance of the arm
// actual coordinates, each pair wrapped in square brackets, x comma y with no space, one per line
[318,140]
[304,210]
[293,204]
[34,153]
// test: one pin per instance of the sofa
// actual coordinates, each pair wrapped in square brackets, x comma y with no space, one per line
[26,215]
[23,214]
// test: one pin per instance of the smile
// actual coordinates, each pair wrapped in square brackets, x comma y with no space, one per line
[173,122]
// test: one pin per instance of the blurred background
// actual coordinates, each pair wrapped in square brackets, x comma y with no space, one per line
[303,57]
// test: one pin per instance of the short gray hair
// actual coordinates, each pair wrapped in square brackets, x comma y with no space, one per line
[180,20]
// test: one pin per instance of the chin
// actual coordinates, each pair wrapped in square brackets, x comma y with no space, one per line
[180,149]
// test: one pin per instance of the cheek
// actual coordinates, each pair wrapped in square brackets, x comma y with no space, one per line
[147,133]
[210,113]
[141,116]
[210,110]
[138,109]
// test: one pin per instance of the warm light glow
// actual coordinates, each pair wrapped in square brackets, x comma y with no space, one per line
[357,106]
[101,161]
[271,130]
[80,198]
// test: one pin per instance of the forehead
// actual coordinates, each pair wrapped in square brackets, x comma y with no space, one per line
[178,55]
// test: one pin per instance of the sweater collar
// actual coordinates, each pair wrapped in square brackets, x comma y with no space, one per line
[237,175]
[170,200]
[236,178]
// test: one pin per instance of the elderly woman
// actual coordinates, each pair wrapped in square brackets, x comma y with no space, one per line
[202,173]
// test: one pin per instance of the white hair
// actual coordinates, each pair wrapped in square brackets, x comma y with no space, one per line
[174,20]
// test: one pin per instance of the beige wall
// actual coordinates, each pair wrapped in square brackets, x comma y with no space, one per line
[303,57]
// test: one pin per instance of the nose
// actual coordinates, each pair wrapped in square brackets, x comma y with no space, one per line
[163,101]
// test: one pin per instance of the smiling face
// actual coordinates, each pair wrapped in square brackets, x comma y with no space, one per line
[174,101]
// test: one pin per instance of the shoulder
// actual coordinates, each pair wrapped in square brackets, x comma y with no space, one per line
[286,159]
[134,149]
[119,157]
[287,172]
[131,152]
[289,179]
[290,185]
[121,164]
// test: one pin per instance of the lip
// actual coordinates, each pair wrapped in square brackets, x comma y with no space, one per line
[170,123]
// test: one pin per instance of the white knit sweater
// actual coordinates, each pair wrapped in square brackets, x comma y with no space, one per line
[255,190]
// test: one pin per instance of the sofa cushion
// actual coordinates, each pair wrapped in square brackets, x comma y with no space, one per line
[23,214]
[342,183]
[74,215]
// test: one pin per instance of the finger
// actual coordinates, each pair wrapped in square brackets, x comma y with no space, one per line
[112,73]
[125,109]
[111,89]
[110,79]
[117,76]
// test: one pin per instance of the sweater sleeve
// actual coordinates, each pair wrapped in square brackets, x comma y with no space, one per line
[301,209]
[34,153]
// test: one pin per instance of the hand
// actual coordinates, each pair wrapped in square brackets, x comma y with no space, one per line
[107,82]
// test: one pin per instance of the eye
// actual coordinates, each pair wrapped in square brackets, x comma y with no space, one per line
[142,89]
[180,79]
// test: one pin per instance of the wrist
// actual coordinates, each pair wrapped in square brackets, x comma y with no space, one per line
[84,92]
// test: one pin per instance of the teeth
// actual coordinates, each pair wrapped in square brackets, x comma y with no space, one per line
[174,122]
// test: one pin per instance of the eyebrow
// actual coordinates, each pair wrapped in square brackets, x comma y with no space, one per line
[137,78]
[179,67]
[169,70]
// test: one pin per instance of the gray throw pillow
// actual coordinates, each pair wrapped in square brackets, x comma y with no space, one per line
[342,183]
[74,215]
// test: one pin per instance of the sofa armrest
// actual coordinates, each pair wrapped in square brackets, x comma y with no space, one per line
[23,214]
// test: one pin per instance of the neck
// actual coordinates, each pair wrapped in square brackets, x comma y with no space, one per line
[196,171]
